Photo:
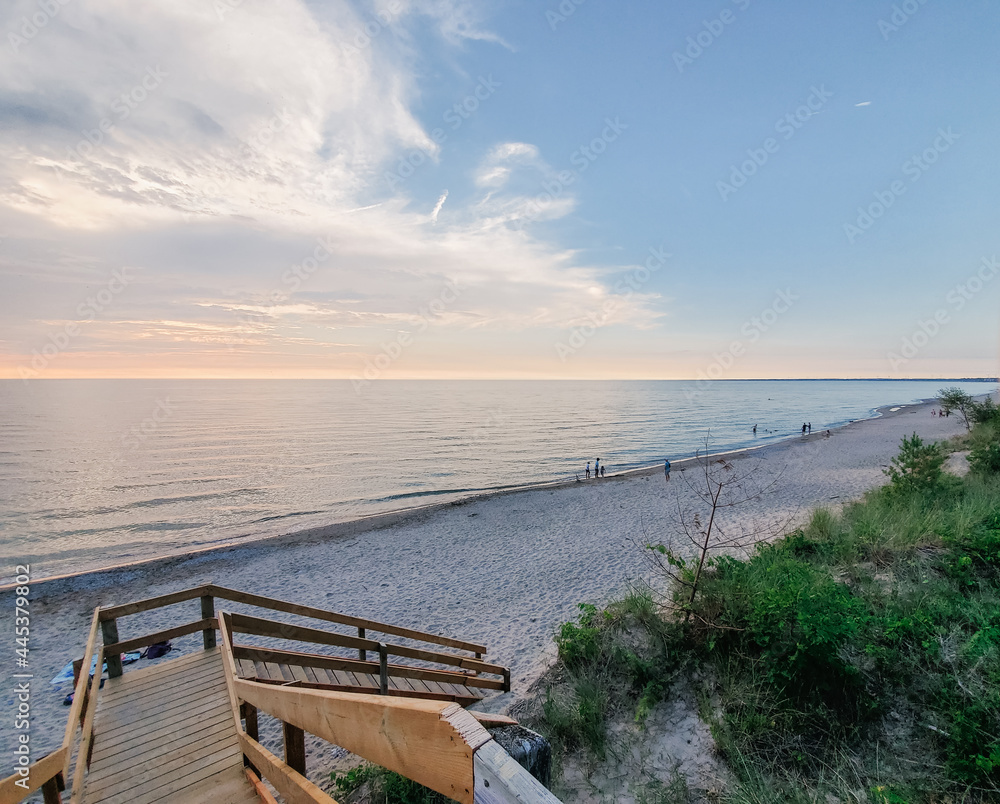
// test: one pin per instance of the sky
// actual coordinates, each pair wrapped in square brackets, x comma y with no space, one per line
[499,189]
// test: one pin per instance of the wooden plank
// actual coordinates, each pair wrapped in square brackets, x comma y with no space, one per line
[113,612]
[431,742]
[80,691]
[40,772]
[489,719]
[258,626]
[168,720]
[343,619]
[208,613]
[175,664]
[132,709]
[293,787]
[160,636]
[230,786]
[185,683]
[183,767]
[262,791]
[501,780]
[109,633]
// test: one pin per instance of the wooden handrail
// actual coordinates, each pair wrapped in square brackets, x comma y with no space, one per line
[343,619]
[42,772]
[114,612]
[88,730]
[257,626]
[80,691]
[161,636]
[355,665]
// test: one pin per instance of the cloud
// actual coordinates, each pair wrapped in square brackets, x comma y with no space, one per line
[234,161]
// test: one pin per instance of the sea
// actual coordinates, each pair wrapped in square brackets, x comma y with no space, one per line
[99,473]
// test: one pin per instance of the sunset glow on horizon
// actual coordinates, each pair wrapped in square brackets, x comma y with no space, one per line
[408,189]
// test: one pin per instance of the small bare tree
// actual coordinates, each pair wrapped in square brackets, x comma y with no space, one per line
[706,526]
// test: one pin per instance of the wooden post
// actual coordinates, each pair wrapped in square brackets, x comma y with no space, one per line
[249,712]
[506,679]
[295,748]
[109,630]
[362,653]
[383,669]
[207,611]
[51,790]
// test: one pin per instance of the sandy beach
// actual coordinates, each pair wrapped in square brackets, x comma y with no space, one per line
[503,570]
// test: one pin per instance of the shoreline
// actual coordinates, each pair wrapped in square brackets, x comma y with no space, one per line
[401,516]
[502,570]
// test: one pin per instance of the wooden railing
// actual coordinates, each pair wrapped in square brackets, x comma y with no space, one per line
[50,773]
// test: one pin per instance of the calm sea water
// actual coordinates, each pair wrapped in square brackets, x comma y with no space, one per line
[100,472]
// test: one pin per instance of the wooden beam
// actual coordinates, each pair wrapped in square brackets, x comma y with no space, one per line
[208,613]
[83,758]
[501,780]
[295,747]
[80,691]
[40,772]
[489,719]
[160,636]
[343,619]
[113,612]
[464,700]
[293,787]
[353,665]
[257,626]
[262,792]
[109,632]
[431,742]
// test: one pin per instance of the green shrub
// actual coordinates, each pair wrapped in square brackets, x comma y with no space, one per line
[985,460]
[387,787]
[917,467]
[578,643]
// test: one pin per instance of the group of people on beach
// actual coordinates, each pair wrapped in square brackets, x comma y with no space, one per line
[599,471]
[940,412]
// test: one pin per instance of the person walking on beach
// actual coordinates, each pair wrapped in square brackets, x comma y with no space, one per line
[666,469]
[803,428]
[810,425]
[588,470]
[603,472]
[597,468]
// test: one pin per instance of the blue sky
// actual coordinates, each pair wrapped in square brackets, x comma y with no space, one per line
[432,188]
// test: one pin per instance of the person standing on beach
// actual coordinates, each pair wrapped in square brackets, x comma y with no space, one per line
[666,469]
[803,428]
[810,425]
[588,470]
[602,471]
[597,468]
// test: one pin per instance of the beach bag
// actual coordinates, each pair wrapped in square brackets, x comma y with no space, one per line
[157,649]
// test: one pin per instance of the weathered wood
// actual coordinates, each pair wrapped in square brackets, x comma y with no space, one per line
[293,787]
[258,626]
[343,619]
[80,692]
[488,719]
[83,760]
[109,632]
[51,794]
[48,767]
[464,700]
[295,747]
[114,612]
[500,780]
[159,636]
[431,742]
[383,669]
[362,653]
[208,613]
